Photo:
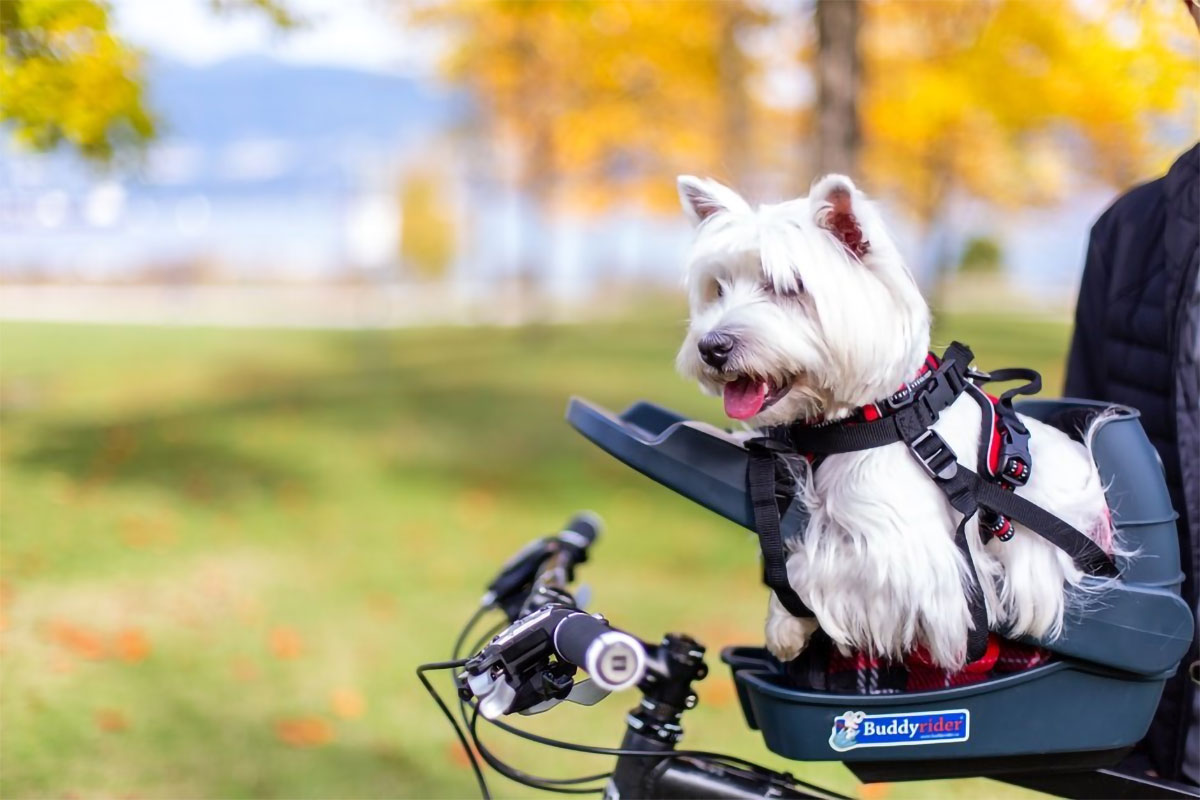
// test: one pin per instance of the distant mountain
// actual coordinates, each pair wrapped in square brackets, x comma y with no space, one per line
[259,165]
[256,97]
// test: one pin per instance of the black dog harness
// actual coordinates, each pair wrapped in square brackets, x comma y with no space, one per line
[907,416]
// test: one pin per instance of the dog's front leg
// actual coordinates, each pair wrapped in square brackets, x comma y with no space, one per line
[787,635]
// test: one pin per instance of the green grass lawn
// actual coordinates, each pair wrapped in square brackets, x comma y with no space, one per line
[224,551]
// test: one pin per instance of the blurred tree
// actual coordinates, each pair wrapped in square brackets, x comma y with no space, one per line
[1005,100]
[64,77]
[981,256]
[427,235]
[277,12]
[839,83]
[595,99]
[67,79]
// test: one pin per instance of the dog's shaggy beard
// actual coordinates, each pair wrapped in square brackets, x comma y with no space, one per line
[817,315]
[824,330]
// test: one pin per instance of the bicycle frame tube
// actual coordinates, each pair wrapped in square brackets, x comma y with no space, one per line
[692,778]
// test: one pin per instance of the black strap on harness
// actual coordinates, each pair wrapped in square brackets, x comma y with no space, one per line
[764,495]
[909,421]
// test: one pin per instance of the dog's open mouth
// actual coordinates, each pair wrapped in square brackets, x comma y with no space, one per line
[747,395]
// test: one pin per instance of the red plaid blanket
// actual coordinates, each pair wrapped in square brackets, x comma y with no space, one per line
[822,667]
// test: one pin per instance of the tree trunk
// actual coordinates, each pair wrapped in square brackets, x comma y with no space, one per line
[735,112]
[838,84]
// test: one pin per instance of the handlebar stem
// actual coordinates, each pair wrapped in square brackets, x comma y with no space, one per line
[671,668]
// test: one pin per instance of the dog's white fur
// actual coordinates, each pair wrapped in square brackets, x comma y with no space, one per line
[877,563]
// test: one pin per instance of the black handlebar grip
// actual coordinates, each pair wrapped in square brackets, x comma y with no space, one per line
[582,530]
[613,659]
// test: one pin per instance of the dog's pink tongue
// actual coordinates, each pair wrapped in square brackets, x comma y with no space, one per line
[744,397]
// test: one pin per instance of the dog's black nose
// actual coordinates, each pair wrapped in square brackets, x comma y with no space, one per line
[715,349]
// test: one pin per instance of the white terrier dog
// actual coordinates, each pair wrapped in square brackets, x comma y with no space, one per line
[805,311]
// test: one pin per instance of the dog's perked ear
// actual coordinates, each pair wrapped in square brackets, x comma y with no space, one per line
[833,199]
[703,197]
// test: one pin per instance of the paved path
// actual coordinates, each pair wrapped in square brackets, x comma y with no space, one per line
[306,306]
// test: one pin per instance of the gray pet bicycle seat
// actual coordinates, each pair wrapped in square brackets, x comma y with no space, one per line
[1094,700]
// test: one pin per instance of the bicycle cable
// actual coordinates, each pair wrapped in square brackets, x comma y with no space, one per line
[466,629]
[728,760]
[440,665]
[559,785]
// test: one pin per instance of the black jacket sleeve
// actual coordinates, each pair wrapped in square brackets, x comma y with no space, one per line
[1085,364]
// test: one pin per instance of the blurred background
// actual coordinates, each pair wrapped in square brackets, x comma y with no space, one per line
[293,293]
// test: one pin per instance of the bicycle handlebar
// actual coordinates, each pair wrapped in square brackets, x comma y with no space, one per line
[515,671]
[612,658]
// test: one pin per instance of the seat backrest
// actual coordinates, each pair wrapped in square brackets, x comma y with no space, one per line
[1140,624]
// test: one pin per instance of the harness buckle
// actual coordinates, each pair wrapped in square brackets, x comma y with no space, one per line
[934,455]
[976,374]
[768,444]
[1015,462]
[901,398]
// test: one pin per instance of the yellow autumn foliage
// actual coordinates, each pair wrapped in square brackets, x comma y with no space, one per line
[589,99]
[64,77]
[427,233]
[1008,100]
[1012,101]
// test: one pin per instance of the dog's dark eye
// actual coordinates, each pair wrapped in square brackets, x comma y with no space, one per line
[718,289]
[769,288]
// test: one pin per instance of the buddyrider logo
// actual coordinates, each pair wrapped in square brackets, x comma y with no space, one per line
[859,729]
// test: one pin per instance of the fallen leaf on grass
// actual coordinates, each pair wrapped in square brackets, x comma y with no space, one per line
[292,496]
[244,669]
[79,640]
[718,694]
[119,444]
[6,594]
[248,610]
[140,531]
[286,643]
[131,645]
[457,755]
[347,703]
[304,732]
[110,720]
[476,508]
[128,644]
[720,633]
[382,604]
[25,565]
[874,791]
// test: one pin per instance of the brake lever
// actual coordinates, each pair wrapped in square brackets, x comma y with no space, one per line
[587,693]
[583,596]
[584,693]
[515,671]
[517,572]
[495,693]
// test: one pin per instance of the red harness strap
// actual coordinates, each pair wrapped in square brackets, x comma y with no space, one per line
[998,463]
[878,409]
